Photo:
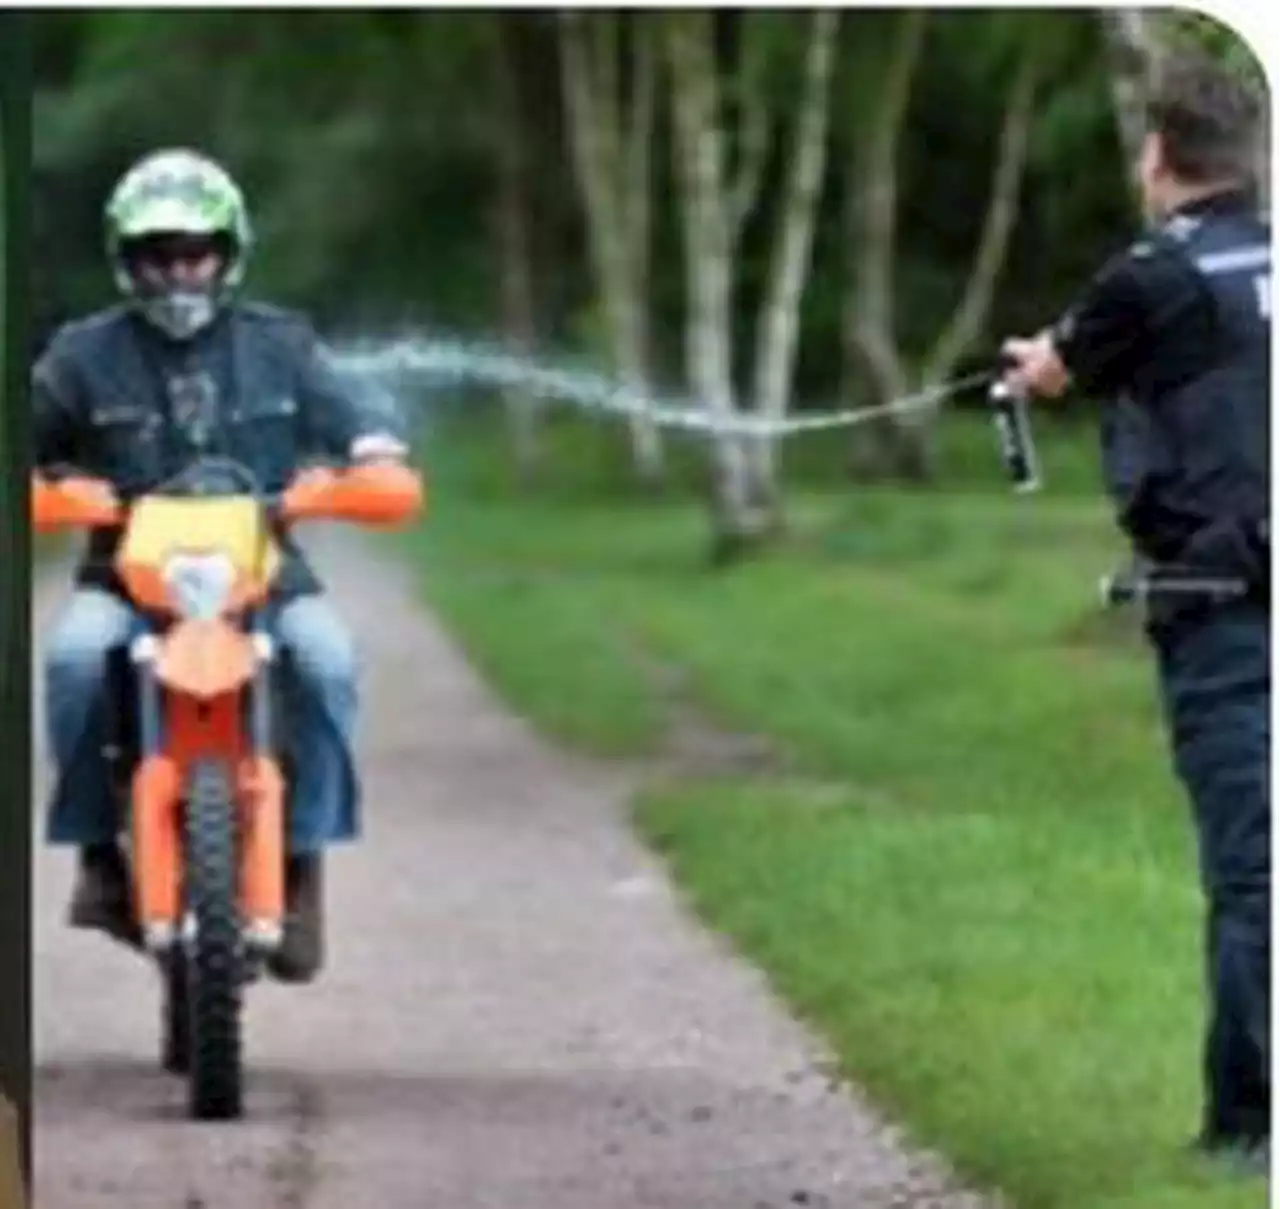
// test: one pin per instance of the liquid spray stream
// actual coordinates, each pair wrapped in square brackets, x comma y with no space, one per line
[439,364]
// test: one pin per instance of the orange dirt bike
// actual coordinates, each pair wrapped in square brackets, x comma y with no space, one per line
[203,782]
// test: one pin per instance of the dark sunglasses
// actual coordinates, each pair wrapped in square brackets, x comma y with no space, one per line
[173,249]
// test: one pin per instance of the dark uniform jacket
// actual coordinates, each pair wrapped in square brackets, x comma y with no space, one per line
[1175,335]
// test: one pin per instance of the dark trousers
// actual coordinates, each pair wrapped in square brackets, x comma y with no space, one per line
[1215,674]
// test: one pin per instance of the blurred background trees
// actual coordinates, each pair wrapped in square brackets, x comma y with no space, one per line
[766,210]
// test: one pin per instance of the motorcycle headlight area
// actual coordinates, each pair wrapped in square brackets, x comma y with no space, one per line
[199,584]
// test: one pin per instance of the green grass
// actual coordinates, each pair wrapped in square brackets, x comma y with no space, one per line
[975,875]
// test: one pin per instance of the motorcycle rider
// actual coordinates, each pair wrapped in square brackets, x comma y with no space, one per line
[180,368]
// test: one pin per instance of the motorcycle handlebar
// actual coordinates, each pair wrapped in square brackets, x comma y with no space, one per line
[373,493]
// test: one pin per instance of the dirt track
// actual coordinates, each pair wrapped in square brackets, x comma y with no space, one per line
[517,1013]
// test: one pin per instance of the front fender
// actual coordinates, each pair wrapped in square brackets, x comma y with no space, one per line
[205,659]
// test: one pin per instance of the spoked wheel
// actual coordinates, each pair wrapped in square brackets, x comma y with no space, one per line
[211,970]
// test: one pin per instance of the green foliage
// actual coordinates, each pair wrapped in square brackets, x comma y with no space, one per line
[1182,27]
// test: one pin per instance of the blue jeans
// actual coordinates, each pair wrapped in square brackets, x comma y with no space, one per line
[1216,679]
[325,796]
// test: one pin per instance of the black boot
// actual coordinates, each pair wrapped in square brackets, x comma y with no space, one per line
[301,953]
[102,900]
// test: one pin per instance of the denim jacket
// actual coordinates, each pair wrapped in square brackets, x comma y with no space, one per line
[112,397]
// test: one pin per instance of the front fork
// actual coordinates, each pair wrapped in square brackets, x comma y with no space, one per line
[261,794]
[157,800]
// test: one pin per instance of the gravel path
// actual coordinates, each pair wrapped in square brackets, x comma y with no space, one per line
[517,1014]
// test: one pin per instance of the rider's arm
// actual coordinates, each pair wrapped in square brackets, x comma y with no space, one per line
[335,414]
[55,413]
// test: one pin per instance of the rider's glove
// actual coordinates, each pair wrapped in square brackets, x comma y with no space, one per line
[378,447]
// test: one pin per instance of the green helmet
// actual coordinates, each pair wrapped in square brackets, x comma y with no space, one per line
[177,193]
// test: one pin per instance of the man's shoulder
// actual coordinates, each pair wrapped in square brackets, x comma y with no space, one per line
[85,334]
[272,317]
[1157,248]
[1184,237]
[1151,266]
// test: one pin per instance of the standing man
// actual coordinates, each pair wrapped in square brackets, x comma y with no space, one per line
[1175,335]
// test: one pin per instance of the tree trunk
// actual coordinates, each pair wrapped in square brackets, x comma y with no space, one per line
[1131,51]
[708,238]
[779,320]
[871,218]
[753,128]
[612,170]
[637,196]
[1002,211]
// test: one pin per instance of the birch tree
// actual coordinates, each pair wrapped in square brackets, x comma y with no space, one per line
[1131,55]
[714,204]
[778,327]
[871,197]
[611,138]
[717,199]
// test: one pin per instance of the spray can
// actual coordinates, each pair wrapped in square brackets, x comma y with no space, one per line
[1013,426]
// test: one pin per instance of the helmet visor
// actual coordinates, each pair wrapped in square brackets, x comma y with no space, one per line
[166,260]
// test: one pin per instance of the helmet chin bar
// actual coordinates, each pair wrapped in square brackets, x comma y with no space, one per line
[180,314]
